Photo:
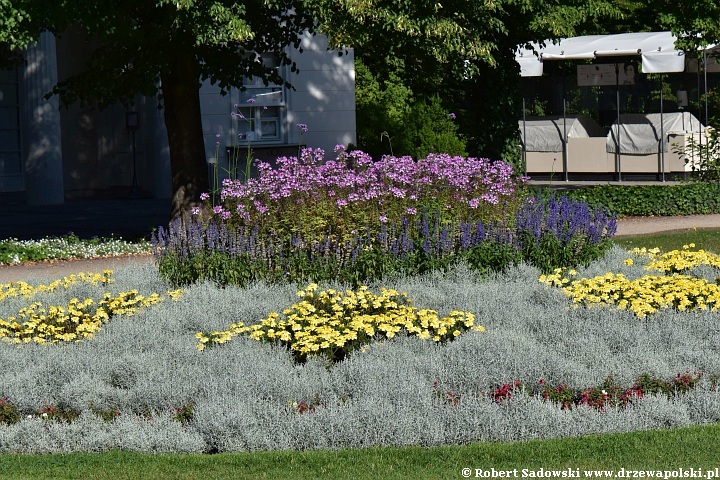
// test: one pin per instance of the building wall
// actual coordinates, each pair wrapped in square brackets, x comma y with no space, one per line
[80,152]
[324,96]
[97,148]
[323,99]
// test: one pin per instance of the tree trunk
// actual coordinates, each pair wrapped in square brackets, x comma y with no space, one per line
[181,100]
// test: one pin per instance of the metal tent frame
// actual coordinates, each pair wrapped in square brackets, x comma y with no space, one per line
[656,50]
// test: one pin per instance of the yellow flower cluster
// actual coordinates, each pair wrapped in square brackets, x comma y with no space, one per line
[645,295]
[677,260]
[333,322]
[22,289]
[75,321]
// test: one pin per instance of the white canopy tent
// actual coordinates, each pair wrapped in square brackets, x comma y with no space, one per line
[656,50]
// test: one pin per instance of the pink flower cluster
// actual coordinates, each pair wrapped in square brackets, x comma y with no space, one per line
[388,188]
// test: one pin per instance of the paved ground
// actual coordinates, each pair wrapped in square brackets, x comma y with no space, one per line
[644,225]
[54,270]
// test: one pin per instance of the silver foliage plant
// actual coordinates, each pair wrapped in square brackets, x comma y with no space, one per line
[243,393]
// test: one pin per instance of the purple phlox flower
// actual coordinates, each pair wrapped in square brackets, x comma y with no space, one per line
[225,215]
[339,148]
[250,100]
[411,211]
[217,135]
[265,108]
[303,128]
[452,116]
[195,210]
[218,209]
[204,196]
[341,202]
[383,219]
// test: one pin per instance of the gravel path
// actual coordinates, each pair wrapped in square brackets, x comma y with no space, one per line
[627,226]
[643,225]
[59,269]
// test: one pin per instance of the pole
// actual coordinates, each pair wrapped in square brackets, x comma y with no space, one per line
[699,114]
[524,143]
[706,83]
[565,140]
[617,136]
[662,132]
[134,180]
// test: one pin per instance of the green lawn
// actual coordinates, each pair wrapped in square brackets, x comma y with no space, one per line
[707,239]
[693,447]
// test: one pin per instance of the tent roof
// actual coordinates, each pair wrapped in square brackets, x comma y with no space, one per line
[545,134]
[657,50]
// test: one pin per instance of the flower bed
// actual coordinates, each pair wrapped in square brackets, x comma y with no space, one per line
[142,384]
[649,293]
[74,321]
[333,324]
[546,234]
[313,196]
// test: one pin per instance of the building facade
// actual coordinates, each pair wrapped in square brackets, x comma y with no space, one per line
[51,154]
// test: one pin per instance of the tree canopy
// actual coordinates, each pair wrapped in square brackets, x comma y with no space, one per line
[166,47]
[460,48]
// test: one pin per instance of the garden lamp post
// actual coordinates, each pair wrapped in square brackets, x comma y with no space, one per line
[132,124]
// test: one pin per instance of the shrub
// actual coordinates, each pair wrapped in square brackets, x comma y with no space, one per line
[312,197]
[546,234]
[703,157]
[8,412]
[649,200]
[389,118]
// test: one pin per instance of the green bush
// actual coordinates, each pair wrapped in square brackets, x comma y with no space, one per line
[691,198]
[390,118]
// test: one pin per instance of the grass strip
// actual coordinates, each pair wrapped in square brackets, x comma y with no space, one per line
[663,450]
[706,239]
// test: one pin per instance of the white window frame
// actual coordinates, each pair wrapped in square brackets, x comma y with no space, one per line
[264,99]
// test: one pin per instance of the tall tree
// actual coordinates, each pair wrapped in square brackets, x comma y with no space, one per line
[461,49]
[151,46]
[696,23]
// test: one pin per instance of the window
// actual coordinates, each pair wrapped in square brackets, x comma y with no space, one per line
[261,111]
